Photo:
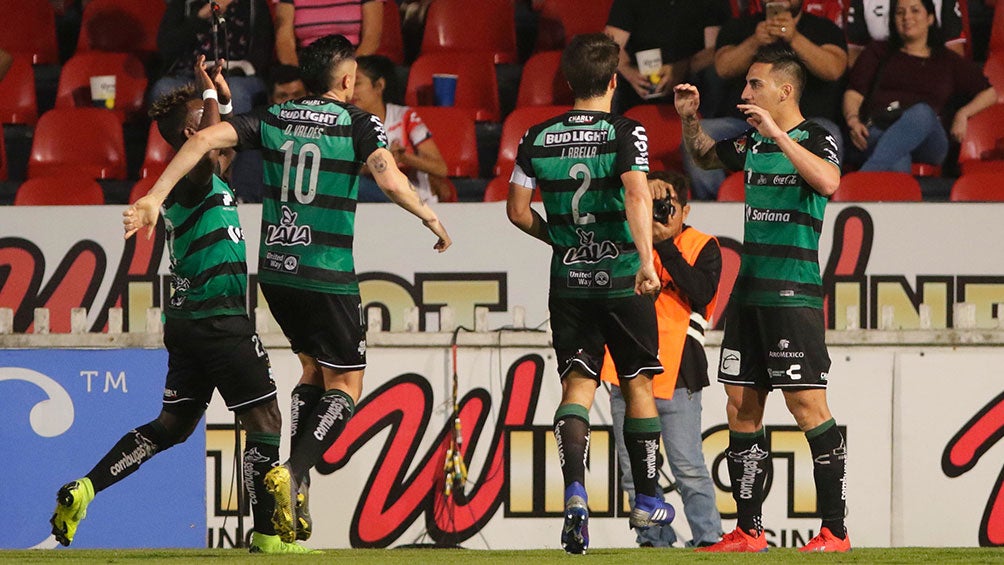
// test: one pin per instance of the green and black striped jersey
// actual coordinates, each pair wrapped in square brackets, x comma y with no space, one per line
[208,259]
[784,217]
[576,160]
[312,149]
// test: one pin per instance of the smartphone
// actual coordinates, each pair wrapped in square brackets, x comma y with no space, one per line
[775,9]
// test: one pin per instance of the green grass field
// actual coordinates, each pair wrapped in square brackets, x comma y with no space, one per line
[479,557]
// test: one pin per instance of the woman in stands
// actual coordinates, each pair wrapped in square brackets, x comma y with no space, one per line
[299,22]
[408,137]
[899,93]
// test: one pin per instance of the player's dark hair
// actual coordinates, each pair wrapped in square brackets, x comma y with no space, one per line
[782,58]
[377,67]
[170,111]
[282,74]
[588,62]
[679,181]
[320,60]
[935,36]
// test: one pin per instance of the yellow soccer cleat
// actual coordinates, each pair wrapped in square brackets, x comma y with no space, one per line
[279,483]
[71,508]
[261,543]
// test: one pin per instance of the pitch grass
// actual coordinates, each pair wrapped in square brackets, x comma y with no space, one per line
[487,557]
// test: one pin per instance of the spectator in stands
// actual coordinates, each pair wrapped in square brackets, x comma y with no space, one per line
[244,38]
[900,89]
[299,22]
[285,84]
[685,33]
[868,20]
[819,44]
[408,138]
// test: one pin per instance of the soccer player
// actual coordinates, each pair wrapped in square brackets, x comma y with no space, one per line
[774,328]
[590,167]
[209,338]
[313,149]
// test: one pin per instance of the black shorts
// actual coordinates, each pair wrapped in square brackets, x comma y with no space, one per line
[222,353]
[770,347]
[328,327]
[582,327]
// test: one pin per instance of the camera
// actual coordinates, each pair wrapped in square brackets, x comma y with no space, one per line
[662,210]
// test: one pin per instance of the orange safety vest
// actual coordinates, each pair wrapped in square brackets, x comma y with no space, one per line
[675,317]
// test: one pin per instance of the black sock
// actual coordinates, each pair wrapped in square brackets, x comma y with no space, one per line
[571,432]
[829,469]
[641,435]
[303,402]
[749,467]
[321,429]
[128,454]
[261,453]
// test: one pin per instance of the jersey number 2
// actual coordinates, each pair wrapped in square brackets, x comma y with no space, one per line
[577,170]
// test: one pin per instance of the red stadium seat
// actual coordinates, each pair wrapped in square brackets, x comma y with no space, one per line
[88,140]
[391,42]
[665,135]
[477,87]
[498,190]
[513,129]
[979,187]
[453,131]
[561,20]
[18,103]
[158,153]
[60,190]
[733,188]
[542,83]
[875,186]
[455,25]
[3,157]
[996,33]
[983,145]
[125,26]
[29,28]
[993,69]
[141,187]
[74,88]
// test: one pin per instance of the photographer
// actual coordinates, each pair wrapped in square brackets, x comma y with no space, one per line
[689,264]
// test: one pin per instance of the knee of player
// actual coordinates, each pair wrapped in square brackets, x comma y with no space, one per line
[264,418]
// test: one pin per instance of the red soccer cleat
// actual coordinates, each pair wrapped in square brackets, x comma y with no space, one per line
[827,542]
[738,541]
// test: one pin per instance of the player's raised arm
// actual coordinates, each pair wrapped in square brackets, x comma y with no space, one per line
[145,211]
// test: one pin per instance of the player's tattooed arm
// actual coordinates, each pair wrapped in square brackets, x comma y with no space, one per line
[699,144]
[379,164]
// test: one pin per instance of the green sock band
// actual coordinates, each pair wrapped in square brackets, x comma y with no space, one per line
[348,399]
[574,410]
[263,437]
[820,429]
[642,425]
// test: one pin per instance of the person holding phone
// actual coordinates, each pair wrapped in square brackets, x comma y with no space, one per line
[819,45]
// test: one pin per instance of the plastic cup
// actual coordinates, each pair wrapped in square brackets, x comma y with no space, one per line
[445,88]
